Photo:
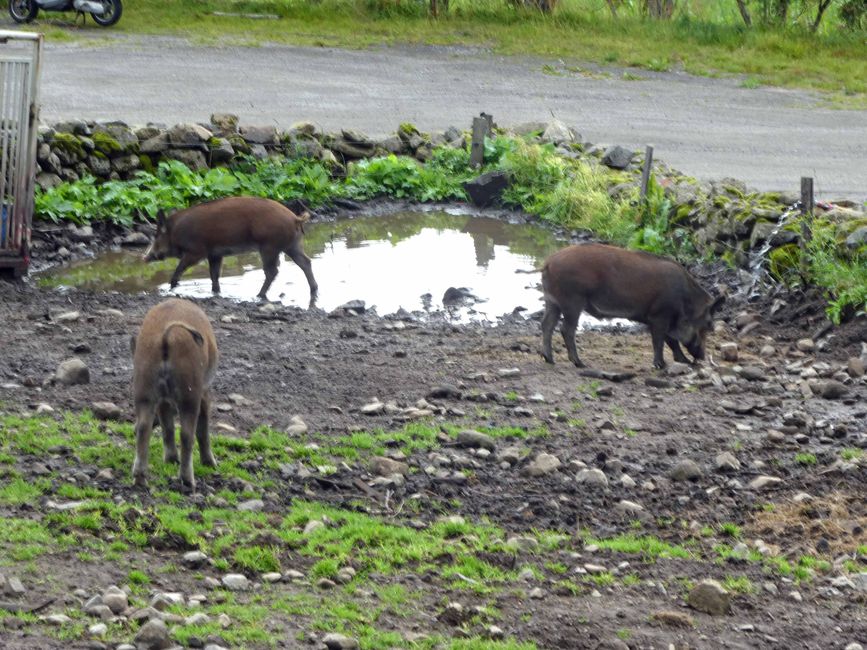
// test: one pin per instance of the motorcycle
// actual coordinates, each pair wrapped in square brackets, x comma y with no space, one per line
[104,12]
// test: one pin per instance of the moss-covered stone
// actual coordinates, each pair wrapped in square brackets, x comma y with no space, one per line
[106,144]
[146,163]
[68,143]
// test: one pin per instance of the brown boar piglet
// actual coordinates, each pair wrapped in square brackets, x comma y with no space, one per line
[174,358]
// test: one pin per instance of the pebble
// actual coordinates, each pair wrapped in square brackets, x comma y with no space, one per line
[336,641]
[761,482]
[686,470]
[508,372]
[235,582]
[106,410]
[153,635]
[726,462]
[542,465]
[475,439]
[44,408]
[67,317]
[710,597]
[272,577]
[595,568]
[510,455]
[805,345]
[832,389]
[373,408]
[56,619]
[629,507]
[252,505]
[592,477]
[115,599]
[312,526]
[537,593]
[97,629]
[194,559]
[382,466]
[856,367]
[729,351]
[297,427]
[72,371]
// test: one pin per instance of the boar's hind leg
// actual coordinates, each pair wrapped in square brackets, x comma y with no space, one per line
[568,328]
[167,422]
[303,262]
[215,264]
[189,416]
[187,260]
[144,423]
[678,354]
[270,264]
[202,435]
[549,322]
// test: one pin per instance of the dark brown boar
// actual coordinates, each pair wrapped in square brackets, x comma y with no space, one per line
[174,358]
[230,226]
[610,282]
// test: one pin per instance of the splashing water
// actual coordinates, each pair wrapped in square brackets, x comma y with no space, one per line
[757,265]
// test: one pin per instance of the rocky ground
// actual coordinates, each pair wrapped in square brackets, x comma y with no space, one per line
[387,482]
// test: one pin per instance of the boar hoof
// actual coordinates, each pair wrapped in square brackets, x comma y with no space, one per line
[188,486]
[547,358]
[170,457]
[209,460]
[140,483]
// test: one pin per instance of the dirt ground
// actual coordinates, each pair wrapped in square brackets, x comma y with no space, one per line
[324,367]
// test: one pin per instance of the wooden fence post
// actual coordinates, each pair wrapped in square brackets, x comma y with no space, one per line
[477,147]
[645,172]
[806,221]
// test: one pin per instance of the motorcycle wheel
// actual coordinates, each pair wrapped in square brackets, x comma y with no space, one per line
[23,11]
[113,11]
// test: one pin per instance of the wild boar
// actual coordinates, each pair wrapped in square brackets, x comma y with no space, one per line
[229,226]
[174,358]
[610,282]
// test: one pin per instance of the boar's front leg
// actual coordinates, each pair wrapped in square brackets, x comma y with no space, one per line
[678,354]
[658,336]
[187,260]
[215,264]
[549,322]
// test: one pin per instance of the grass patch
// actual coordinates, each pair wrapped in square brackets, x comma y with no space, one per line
[649,547]
[805,459]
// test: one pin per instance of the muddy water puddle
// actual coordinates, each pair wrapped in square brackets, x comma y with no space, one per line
[406,260]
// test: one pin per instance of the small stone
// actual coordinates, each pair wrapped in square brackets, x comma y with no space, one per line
[97,629]
[542,465]
[272,577]
[686,470]
[537,593]
[510,455]
[726,462]
[382,466]
[115,599]
[729,351]
[325,583]
[56,619]
[153,635]
[833,390]
[592,477]
[253,505]
[335,641]
[298,427]
[509,372]
[753,373]
[805,345]
[235,582]
[475,439]
[14,586]
[796,596]
[629,507]
[595,568]
[199,618]
[72,371]
[710,597]
[106,410]
[855,367]
[673,619]
[194,559]
[67,317]
[761,482]
[373,408]
[44,408]
[312,526]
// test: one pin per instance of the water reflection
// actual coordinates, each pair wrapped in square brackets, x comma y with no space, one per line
[388,261]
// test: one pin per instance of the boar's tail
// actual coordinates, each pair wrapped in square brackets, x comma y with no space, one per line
[197,337]
[302,218]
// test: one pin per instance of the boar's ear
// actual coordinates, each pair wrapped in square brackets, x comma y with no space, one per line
[161,218]
[716,304]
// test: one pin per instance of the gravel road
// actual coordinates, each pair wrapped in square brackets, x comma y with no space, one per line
[706,127]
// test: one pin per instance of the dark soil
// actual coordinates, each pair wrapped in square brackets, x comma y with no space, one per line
[324,367]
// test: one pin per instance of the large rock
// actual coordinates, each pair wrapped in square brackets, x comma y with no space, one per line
[47,180]
[475,440]
[115,139]
[617,157]
[592,477]
[558,133]
[155,145]
[487,189]
[99,165]
[106,410]
[224,123]
[72,371]
[188,135]
[336,641]
[264,135]
[192,158]
[125,164]
[383,466]
[710,597]
[857,238]
[686,470]
[221,151]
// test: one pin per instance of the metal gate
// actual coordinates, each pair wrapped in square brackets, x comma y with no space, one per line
[20,57]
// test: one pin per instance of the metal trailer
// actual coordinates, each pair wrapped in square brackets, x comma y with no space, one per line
[20,60]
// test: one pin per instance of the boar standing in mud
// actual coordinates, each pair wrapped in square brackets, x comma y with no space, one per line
[230,226]
[610,282]
[174,358]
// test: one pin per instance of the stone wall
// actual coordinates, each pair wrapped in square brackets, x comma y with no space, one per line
[726,217]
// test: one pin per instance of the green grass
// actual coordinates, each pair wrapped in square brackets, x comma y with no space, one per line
[649,547]
[706,39]
[805,459]
[731,530]
[851,453]
[739,584]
